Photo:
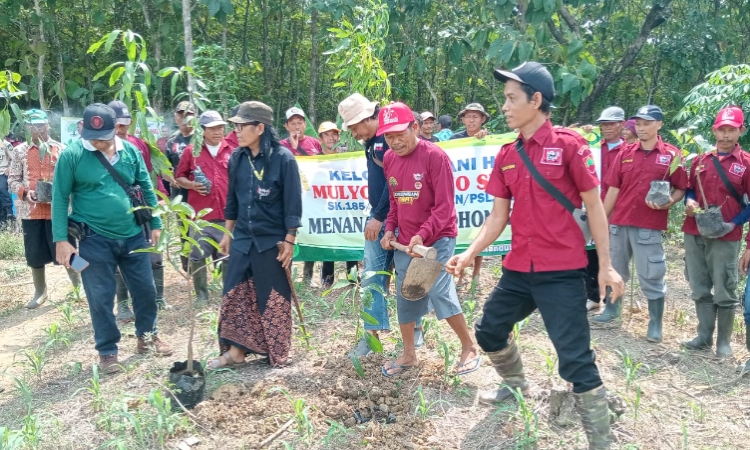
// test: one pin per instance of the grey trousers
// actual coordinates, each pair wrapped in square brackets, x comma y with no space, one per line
[711,263]
[643,245]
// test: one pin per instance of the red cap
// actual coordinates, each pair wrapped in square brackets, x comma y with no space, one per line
[394,118]
[731,116]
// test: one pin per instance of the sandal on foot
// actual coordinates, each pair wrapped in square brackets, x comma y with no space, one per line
[392,365]
[471,365]
[224,362]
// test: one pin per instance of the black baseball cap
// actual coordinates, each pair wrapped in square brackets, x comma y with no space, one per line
[120,109]
[649,112]
[98,123]
[531,74]
[445,121]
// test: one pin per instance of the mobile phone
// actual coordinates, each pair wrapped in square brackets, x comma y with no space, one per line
[77,263]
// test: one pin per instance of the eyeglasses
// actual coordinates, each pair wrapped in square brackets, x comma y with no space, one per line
[238,127]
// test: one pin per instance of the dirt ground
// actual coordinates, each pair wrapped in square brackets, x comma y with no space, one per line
[666,397]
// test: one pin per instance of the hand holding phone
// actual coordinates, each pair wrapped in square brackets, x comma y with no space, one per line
[77,263]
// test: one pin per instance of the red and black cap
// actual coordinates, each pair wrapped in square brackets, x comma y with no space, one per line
[532,74]
[98,123]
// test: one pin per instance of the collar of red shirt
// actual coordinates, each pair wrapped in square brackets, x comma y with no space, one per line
[540,135]
[659,147]
[735,152]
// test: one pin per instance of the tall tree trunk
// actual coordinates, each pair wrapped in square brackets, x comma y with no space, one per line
[313,64]
[86,60]
[61,69]
[188,28]
[224,37]
[41,50]
[156,40]
[264,46]
[659,14]
[244,33]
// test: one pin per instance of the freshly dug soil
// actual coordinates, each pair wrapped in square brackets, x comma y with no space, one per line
[659,193]
[710,221]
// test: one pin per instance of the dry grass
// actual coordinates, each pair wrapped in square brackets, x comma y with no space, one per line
[687,399]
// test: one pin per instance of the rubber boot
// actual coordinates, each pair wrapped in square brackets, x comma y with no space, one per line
[200,281]
[40,288]
[611,314]
[509,366]
[158,272]
[594,411]
[124,313]
[706,313]
[656,314]
[725,326]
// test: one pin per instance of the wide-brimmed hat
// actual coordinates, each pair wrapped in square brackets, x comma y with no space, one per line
[354,109]
[473,107]
[327,126]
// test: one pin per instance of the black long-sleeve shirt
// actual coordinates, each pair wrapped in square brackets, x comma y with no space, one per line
[263,208]
[377,185]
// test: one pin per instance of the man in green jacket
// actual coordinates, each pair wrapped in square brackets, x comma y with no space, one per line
[109,234]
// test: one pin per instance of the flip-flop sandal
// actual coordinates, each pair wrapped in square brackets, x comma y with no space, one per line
[393,365]
[225,362]
[477,362]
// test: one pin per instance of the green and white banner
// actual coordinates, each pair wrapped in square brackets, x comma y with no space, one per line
[336,206]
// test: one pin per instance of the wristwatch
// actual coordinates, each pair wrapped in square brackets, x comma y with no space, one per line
[292,232]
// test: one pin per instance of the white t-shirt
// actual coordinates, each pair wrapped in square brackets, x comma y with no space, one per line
[213,149]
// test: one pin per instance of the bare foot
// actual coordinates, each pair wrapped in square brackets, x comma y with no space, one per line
[399,365]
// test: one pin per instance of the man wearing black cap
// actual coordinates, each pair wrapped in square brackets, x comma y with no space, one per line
[636,222]
[122,128]
[109,234]
[183,114]
[543,269]
[444,124]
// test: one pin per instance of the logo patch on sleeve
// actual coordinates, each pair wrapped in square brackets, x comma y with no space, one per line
[590,166]
[552,156]
[508,167]
[737,169]
[663,160]
[583,150]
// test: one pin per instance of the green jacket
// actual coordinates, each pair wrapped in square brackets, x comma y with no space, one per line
[95,197]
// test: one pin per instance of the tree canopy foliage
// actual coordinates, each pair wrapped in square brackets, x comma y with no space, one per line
[435,55]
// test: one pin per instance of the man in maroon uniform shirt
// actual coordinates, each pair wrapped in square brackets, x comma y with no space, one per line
[206,174]
[635,223]
[543,268]
[711,255]
[420,180]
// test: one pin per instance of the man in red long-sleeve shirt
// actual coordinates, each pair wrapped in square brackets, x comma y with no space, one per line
[422,208]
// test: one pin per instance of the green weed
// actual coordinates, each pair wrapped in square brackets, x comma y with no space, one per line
[336,434]
[630,368]
[423,408]
[305,428]
[36,360]
[11,245]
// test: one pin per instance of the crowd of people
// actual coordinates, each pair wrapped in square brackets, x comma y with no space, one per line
[250,180]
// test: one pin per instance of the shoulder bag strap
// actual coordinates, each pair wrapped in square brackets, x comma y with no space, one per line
[724,179]
[112,171]
[543,182]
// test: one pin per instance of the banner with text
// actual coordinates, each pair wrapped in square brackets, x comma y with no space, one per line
[336,206]
[69,129]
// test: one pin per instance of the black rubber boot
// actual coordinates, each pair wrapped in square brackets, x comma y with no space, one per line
[656,314]
[40,288]
[124,313]
[200,280]
[158,272]
[725,326]
[706,313]
[611,314]
[509,366]
[594,411]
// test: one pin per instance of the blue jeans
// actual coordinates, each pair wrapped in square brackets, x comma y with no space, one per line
[747,304]
[105,256]
[378,260]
